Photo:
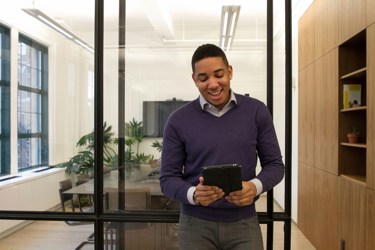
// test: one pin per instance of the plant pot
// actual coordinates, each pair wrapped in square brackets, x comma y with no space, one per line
[353,138]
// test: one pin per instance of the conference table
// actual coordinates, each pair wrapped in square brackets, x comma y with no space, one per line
[146,234]
[110,184]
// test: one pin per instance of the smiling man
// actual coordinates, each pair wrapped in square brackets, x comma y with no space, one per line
[219,127]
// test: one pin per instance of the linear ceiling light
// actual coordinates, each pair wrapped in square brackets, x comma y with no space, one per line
[229,18]
[58,27]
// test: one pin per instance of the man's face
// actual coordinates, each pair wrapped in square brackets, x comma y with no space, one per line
[212,78]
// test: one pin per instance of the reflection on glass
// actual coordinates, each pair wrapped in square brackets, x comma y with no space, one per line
[141,236]
[57,235]
[141,195]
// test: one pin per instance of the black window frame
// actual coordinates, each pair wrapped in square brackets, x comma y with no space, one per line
[5,100]
[99,217]
[41,91]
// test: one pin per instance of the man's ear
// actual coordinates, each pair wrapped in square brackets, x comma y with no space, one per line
[193,77]
[230,71]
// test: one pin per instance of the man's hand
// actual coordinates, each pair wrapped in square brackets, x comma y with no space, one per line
[205,194]
[245,196]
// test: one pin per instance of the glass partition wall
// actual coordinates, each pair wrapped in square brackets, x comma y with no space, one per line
[116,70]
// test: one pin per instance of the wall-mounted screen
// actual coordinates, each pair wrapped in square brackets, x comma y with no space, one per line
[155,115]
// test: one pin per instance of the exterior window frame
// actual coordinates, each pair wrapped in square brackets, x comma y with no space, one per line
[41,109]
[4,100]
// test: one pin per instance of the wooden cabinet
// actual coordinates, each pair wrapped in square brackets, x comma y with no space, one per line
[352,214]
[352,74]
[337,49]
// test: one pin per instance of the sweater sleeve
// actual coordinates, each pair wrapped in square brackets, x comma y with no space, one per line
[172,165]
[268,150]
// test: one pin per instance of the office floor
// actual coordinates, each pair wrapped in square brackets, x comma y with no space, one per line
[60,236]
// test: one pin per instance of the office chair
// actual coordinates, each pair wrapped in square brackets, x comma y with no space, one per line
[84,199]
[136,199]
[64,186]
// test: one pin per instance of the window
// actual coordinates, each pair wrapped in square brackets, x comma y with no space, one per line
[4,101]
[32,104]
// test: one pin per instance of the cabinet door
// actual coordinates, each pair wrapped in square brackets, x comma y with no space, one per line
[370,220]
[305,200]
[352,214]
[306,123]
[306,41]
[326,112]
[370,172]
[370,6]
[352,18]
[325,210]
[326,26]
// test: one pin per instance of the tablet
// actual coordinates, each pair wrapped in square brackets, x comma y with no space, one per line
[227,177]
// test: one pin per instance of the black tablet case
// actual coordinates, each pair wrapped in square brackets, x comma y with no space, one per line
[227,177]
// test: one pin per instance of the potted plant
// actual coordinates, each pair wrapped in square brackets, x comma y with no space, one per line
[158,145]
[353,135]
[83,162]
[133,159]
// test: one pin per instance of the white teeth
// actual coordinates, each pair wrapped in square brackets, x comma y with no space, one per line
[215,93]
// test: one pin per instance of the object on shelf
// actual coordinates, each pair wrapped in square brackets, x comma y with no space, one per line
[353,136]
[352,95]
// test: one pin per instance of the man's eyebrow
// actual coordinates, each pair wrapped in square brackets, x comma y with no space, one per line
[218,70]
[201,74]
[205,74]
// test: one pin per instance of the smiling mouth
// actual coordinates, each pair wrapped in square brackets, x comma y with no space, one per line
[216,93]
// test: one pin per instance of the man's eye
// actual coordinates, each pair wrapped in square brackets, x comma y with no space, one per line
[219,76]
[203,79]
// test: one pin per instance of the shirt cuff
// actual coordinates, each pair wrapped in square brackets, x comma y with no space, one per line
[190,195]
[258,184]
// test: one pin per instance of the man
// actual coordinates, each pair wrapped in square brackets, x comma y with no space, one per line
[219,127]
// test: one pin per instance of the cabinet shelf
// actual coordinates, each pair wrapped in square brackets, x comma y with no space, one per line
[359,179]
[356,145]
[360,73]
[354,109]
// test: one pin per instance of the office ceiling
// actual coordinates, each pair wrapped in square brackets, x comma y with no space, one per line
[161,36]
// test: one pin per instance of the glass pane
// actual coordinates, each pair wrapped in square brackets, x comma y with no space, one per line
[34,152]
[141,236]
[279,88]
[53,105]
[25,75]
[58,235]
[29,152]
[159,46]
[24,101]
[35,78]
[24,125]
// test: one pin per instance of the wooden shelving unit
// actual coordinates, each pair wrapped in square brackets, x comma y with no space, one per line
[353,70]
[336,47]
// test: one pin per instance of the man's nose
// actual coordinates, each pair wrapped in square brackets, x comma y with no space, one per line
[212,82]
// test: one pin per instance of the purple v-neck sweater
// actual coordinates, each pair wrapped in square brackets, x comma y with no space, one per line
[194,138]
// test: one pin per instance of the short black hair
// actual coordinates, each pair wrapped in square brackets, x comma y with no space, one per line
[208,50]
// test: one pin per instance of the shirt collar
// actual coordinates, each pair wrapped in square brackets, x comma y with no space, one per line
[203,101]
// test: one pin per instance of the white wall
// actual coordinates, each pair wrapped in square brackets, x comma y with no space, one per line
[69,113]
[31,192]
